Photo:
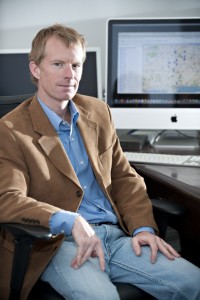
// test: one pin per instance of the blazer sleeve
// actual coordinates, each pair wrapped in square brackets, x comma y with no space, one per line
[127,190]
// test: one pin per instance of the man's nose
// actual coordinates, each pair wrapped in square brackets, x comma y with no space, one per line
[69,73]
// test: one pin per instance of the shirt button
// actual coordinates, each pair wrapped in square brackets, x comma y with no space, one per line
[81,162]
[85,187]
[78,193]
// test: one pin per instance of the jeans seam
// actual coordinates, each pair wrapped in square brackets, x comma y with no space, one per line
[60,275]
[107,246]
[152,278]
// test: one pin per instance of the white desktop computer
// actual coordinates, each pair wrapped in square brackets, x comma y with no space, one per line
[153,78]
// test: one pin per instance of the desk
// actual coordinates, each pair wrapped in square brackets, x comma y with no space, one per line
[181,184]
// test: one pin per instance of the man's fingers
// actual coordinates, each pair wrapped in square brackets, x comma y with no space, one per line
[100,254]
[89,249]
[142,239]
[155,243]
[83,253]
[136,247]
[167,249]
[154,252]
[74,263]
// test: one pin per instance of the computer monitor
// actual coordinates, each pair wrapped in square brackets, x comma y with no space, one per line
[15,75]
[153,73]
[91,81]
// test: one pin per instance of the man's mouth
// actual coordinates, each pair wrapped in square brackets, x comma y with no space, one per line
[67,86]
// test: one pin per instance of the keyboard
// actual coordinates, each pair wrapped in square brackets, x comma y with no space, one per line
[164,159]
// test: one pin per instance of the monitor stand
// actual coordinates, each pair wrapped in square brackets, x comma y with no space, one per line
[175,139]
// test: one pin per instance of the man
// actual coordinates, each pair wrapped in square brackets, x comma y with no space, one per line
[62,167]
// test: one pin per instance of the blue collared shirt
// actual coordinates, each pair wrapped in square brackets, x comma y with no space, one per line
[95,207]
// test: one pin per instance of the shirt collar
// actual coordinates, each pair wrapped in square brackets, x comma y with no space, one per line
[55,119]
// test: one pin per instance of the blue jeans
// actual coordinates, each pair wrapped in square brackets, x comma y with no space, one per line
[177,279]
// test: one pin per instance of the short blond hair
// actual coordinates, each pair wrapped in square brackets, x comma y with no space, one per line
[66,34]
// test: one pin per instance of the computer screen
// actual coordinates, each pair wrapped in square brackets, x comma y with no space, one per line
[15,75]
[153,73]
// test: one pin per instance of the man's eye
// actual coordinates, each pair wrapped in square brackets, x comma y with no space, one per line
[58,64]
[76,66]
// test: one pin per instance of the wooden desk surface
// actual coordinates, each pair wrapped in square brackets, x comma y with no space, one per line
[184,179]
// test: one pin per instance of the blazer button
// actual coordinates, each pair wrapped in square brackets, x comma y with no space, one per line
[78,193]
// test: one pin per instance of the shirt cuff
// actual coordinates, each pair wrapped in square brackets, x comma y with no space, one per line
[144,228]
[62,222]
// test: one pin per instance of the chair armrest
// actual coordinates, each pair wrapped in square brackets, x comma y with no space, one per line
[24,236]
[169,207]
[164,210]
[20,231]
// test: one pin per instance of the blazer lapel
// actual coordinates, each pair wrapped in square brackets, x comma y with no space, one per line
[50,142]
[89,132]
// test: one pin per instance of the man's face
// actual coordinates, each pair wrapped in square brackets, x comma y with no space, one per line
[59,72]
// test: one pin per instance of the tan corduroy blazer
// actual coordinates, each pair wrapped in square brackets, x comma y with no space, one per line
[37,179]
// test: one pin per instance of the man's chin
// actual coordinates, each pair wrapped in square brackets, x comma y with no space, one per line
[68,96]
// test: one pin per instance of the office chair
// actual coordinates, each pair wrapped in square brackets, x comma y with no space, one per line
[25,235]
[8,103]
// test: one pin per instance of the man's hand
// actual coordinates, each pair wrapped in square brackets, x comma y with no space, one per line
[89,245]
[155,243]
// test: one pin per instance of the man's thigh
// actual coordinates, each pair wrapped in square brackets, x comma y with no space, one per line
[83,283]
[164,279]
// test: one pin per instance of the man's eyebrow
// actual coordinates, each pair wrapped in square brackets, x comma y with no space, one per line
[58,59]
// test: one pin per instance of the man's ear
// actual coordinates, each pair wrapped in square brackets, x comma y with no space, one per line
[35,70]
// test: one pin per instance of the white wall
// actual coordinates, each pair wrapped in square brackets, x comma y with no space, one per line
[21,19]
